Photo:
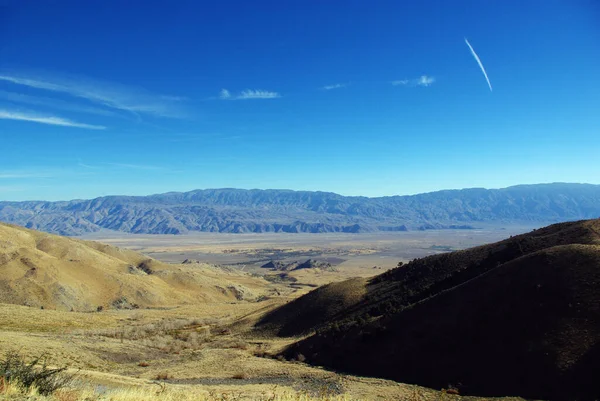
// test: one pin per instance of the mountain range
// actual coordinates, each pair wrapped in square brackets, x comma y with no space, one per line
[239,211]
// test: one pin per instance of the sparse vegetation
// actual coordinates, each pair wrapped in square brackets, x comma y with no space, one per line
[164,392]
[33,374]
[168,335]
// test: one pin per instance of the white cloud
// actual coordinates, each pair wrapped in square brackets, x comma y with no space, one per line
[257,94]
[50,120]
[334,86]
[115,96]
[55,104]
[248,94]
[423,80]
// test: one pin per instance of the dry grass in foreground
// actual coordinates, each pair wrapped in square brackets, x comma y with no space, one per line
[160,393]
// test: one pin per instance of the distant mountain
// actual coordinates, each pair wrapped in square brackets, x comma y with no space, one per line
[520,317]
[238,211]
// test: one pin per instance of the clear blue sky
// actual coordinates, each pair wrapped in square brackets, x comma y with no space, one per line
[356,97]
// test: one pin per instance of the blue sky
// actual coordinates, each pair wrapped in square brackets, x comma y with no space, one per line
[360,98]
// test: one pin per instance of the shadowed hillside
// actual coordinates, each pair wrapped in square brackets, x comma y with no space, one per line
[518,317]
[314,309]
[238,211]
[44,270]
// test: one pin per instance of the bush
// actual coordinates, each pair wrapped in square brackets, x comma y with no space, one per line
[240,376]
[34,374]
[163,376]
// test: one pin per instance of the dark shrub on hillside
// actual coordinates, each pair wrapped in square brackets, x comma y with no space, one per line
[33,374]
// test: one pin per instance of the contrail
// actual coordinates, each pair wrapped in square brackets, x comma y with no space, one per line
[479,62]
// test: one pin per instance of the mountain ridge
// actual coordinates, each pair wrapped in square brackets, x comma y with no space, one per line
[518,317]
[240,210]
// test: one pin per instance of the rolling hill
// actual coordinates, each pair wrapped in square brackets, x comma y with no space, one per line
[44,270]
[237,211]
[519,317]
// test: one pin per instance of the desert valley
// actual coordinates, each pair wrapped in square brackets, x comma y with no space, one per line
[498,310]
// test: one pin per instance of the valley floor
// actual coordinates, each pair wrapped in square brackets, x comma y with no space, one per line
[350,254]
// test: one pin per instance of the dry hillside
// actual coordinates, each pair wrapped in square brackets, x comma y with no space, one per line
[518,317]
[43,270]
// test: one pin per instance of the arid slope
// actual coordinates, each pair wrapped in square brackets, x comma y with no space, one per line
[49,271]
[518,317]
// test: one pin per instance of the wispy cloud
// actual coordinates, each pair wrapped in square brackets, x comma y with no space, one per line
[480,63]
[11,188]
[111,95]
[423,80]
[88,166]
[113,165]
[44,119]
[334,86]
[22,174]
[135,166]
[57,104]
[258,94]
[248,94]
[224,94]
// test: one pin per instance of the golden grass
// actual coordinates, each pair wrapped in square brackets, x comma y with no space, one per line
[183,347]
[53,272]
[158,392]
[219,367]
[27,319]
[126,369]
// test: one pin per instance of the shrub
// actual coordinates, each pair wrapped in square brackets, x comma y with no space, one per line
[34,374]
[260,353]
[163,376]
